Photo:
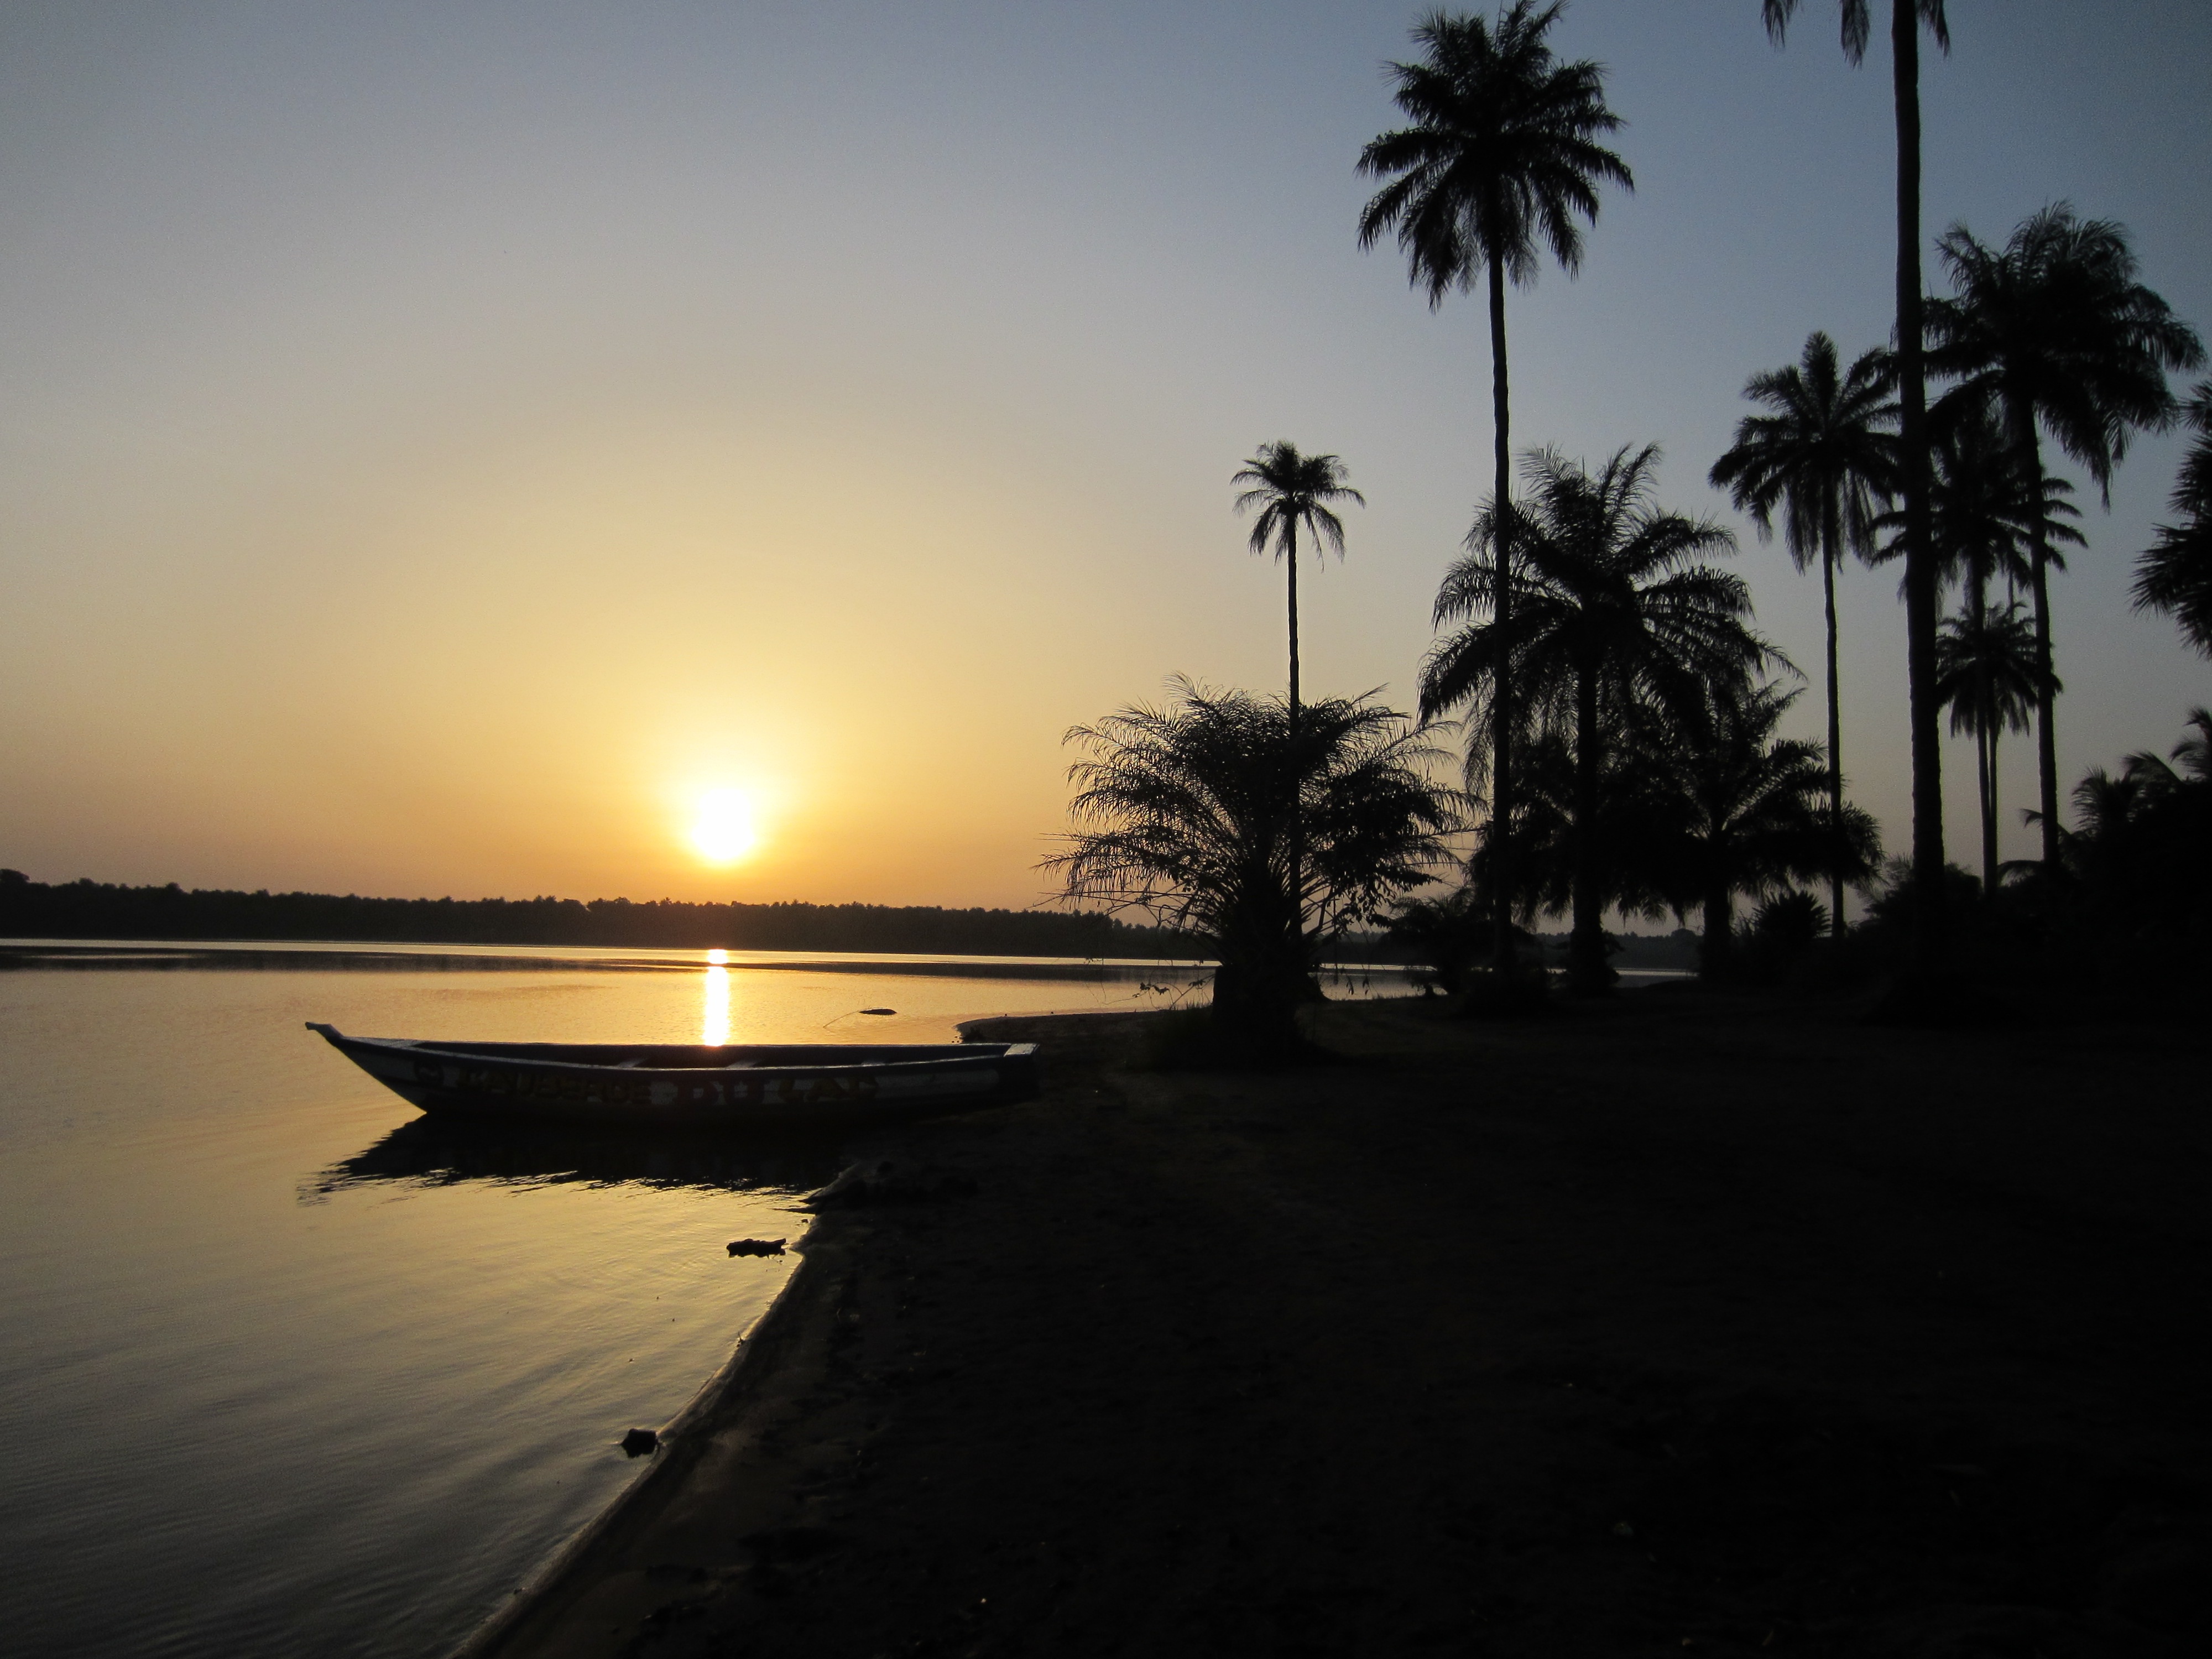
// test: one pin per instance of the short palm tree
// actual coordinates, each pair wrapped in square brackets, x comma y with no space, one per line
[1188,811]
[1556,853]
[1292,491]
[1502,153]
[2175,575]
[1907,18]
[1827,456]
[1747,813]
[2053,332]
[1614,607]
[2187,765]
[1986,667]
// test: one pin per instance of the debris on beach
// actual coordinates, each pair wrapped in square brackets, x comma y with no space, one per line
[879,1010]
[757,1246]
[640,1443]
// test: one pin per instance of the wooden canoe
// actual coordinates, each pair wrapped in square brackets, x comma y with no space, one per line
[686,1086]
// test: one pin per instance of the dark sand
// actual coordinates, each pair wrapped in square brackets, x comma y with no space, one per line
[1678,1322]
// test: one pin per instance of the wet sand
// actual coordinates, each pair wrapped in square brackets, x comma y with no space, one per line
[1678,1322]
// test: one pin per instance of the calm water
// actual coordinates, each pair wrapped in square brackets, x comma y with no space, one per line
[285,1368]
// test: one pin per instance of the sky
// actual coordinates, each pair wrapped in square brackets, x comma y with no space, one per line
[442,446]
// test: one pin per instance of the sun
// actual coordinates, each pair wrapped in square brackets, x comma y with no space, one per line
[727,827]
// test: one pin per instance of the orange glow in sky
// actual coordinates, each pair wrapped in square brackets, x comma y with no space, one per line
[716,452]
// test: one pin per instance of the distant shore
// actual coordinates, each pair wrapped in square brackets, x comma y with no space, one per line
[1686,1318]
[91,909]
[293,955]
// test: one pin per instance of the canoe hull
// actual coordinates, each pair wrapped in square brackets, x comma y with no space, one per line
[792,1087]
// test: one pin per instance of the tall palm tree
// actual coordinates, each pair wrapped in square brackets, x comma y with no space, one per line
[1748,811]
[1614,608]
[1906,19]
[1293,491]
[1825,456]
[1985,673]
[2175,575]
[1290,490]
[1502,151]
[2053,332]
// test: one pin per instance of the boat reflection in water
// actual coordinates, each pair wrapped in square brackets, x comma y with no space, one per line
[437,1152]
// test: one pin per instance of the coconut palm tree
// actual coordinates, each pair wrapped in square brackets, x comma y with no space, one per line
[1188,812]
[1561,839]
[1985,673]
[1984,524]
[1292,491]
[2053,332]
[2175,575]
[1985,513]
[1906,19]
[1614,607]
[1748,811]
[1502,153]
[1827,456]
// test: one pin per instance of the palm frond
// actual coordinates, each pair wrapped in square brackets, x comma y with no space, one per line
[1501,154]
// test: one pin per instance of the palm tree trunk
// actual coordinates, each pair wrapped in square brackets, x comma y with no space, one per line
[1297,916]
[1994,817]
[1829,553]
[1984,781]
[1930,944]
[1985,742]
[1720,922]
[2046,701]
[1501,752]
[1586,950]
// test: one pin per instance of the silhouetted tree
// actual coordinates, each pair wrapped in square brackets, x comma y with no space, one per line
[1986,671]
[1612,608]
[1188,812]
[1985,519]
[2175,575]
[1444,934]
[2137,845]
[2053,332]
[1827,456]
[1747,811]
[1292,492]
[1906,19]
[1501,153]
[1612,851]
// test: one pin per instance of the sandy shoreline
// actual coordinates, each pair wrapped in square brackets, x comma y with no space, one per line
[1683,1320]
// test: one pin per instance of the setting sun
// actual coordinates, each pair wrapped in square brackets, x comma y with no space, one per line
[727,827]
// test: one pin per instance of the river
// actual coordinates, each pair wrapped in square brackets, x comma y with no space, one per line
[285,1368]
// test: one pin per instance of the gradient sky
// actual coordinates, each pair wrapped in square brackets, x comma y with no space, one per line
[439,441]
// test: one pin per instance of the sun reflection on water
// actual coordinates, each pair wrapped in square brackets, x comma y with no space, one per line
[714,1023]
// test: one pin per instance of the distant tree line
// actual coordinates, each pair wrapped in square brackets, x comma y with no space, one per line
[90,909]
